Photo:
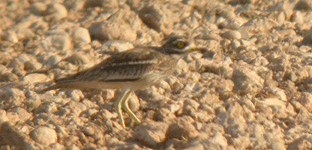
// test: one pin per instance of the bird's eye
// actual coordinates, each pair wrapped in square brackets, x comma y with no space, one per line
[180,44]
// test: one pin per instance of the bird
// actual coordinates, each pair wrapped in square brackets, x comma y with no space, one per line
[130,70]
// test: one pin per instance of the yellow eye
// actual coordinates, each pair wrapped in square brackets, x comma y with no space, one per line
[180,44]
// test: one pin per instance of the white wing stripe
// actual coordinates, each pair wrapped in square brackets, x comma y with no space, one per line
[135,63]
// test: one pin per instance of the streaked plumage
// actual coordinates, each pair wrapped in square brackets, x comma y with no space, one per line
[129,70]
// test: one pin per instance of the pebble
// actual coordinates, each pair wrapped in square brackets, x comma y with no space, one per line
[232,35]
[81,35]
[151,133]
[38,8]
[246,80]
[32,65]
[116,46]
[44,135]
[183,129]
[154,17]
[35,78]
[304,5]
[56,11]
[58,39]
[3,116]
[297,17]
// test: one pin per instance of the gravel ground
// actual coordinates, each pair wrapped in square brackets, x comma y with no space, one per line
[248,87]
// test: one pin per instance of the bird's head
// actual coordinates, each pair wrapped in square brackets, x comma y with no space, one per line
[178,45]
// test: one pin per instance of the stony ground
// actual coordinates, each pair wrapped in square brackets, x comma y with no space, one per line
[249,87]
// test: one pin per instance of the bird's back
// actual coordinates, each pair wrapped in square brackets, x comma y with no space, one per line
[144,66]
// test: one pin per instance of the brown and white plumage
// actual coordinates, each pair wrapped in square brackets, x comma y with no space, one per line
[130,70]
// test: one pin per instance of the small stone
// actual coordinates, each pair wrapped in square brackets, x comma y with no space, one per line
[81,35]
[116,46]
[164,114]
[89,131]
[3,116]
[56,12]
[53,60]
[49,107]
[58,39]
[151,133]
[183,129]
[35,78]
[155,17]
[75,95]
[304,5]
[73,147]
[306,100]
[12,136]
[215,142]
[232,35]
[22,114]
[105,4]
[38,8]
[134,103]
[9,77]
[192,103]
[32,65]
[78,59]
[247,81]
[76,107]
[297,17]
[12,37]
[44,135]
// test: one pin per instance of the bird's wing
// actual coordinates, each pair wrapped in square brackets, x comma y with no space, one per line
[130,65]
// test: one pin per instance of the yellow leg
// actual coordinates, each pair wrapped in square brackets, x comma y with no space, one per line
[118,106]
[125,106]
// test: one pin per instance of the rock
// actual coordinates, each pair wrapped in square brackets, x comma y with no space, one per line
[164,114]
[105,4]
[302,142]
[38,8]
[3,117]
[151,133]
[232,35]
[157,17]
[35,78]
[11,36]
[183,129]
[12,136]
[12,97]
[8,77]
[306,100]
[116,46]
[48,107]
[134,103]
[304,5]
[307,40]
[76,107]
[58,39]
[75,95]
[23,114]
[247,81]
[78,59]
[44,135]
[297,17]
[32,65]
[56,12]
[105,30]
[81,35]
[215,142]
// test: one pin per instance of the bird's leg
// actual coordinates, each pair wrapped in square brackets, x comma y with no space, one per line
[118,106]
[125,106]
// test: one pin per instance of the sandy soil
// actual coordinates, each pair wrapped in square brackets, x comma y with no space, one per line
[248,87]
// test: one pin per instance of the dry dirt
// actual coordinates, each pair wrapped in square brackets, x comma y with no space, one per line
[248,87]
